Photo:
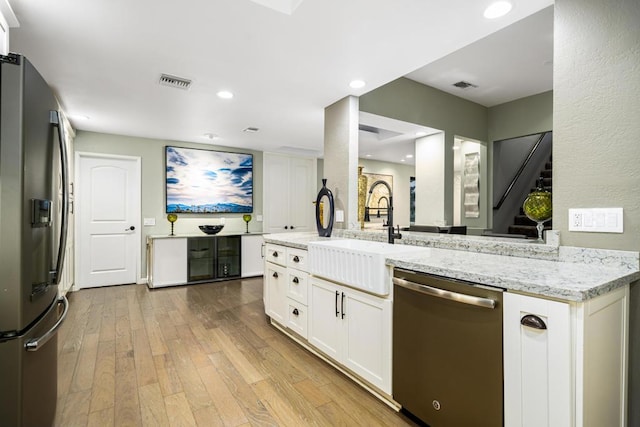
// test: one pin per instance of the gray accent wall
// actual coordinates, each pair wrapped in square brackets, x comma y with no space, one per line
[151,151]
[596,123]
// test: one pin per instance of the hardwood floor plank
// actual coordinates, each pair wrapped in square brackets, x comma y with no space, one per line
[76,409]
[178,411]
[127,404]
[167,376]
[83,375]
[194,390]
[207,417]
[145,369]
[248,371]
[312,393]
[123,333]
[103,391]
[154,334]
[152,406]
[336,416]
[196,352]
[244,395]
[224,401]
[103,418]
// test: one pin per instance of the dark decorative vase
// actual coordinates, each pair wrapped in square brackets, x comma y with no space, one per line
[324,192]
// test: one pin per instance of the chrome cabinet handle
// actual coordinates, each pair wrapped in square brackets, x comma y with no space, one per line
[441,293]
[337,296]
[35,343]
[533,321]
[342,306]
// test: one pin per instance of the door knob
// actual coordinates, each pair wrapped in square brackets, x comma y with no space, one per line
[130,228]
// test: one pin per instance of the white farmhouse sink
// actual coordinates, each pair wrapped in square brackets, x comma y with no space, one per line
[356,263]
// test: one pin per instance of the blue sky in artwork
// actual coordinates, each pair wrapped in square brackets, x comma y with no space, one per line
[204,177]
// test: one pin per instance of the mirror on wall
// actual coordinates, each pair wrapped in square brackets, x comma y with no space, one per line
[508,65]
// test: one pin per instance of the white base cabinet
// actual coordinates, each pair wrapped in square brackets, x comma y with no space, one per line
[574,372]
[252,262]
[286,287]
[167,262]
[353,328]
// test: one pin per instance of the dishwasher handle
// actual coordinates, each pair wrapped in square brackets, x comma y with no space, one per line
[441,293]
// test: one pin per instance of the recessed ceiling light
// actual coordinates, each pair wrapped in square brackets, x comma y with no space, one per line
[409,156]
[456,147]
[421,133]
[357,84]
[497,9]
[402,160]
[225,94]
[210,136]
[367,155]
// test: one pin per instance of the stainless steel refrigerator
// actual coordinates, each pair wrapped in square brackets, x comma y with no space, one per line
[33,229]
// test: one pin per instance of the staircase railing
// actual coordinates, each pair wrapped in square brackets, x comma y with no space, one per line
[520,170]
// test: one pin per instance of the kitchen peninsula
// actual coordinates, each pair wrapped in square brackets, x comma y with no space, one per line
[571,371]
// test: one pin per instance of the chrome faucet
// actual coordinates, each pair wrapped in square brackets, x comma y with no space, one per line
[392,234]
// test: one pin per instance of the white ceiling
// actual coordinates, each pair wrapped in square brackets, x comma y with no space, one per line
[285,63]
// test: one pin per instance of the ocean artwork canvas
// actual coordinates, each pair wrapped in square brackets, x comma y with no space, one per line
[207,181]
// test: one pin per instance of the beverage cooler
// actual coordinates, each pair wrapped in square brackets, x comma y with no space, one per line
[213,258]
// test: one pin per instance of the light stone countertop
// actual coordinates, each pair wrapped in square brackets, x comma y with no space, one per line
[201,234]
[577,274]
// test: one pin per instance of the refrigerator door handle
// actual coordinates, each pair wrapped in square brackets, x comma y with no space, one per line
[35,343]
[56,120]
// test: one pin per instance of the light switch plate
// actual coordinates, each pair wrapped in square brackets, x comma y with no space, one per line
[149,221]
[259,218]
[339,216]
[596,220]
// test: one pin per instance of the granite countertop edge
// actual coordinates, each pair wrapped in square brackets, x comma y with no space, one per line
[539,277]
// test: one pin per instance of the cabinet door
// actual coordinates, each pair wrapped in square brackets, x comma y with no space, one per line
[324,317]
[252,263]
[367,338]
[537,363]
[276,291]
[289,191]
[276,193]
[302,194]
[168,262]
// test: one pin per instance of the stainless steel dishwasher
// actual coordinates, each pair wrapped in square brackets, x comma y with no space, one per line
[447,350]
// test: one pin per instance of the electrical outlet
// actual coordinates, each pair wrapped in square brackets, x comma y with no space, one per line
[597,220]
[576,219]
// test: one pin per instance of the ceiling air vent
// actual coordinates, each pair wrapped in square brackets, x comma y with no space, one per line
[463,85]
[250,130]
[177,82]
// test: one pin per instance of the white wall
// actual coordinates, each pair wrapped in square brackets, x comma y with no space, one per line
[431,180]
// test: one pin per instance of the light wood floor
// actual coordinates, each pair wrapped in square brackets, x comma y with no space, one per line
[201,355]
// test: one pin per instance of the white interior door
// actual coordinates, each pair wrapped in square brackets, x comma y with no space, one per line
[108,219]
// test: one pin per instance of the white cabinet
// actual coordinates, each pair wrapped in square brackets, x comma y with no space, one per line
[276,292]
[286,287]
[353,328]
[167,262]
[289,191]
[252,262]
[573,373]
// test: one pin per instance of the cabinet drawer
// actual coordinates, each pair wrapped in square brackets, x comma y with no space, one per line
[276,254]
[297,258]
[297,317]
[297,285]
